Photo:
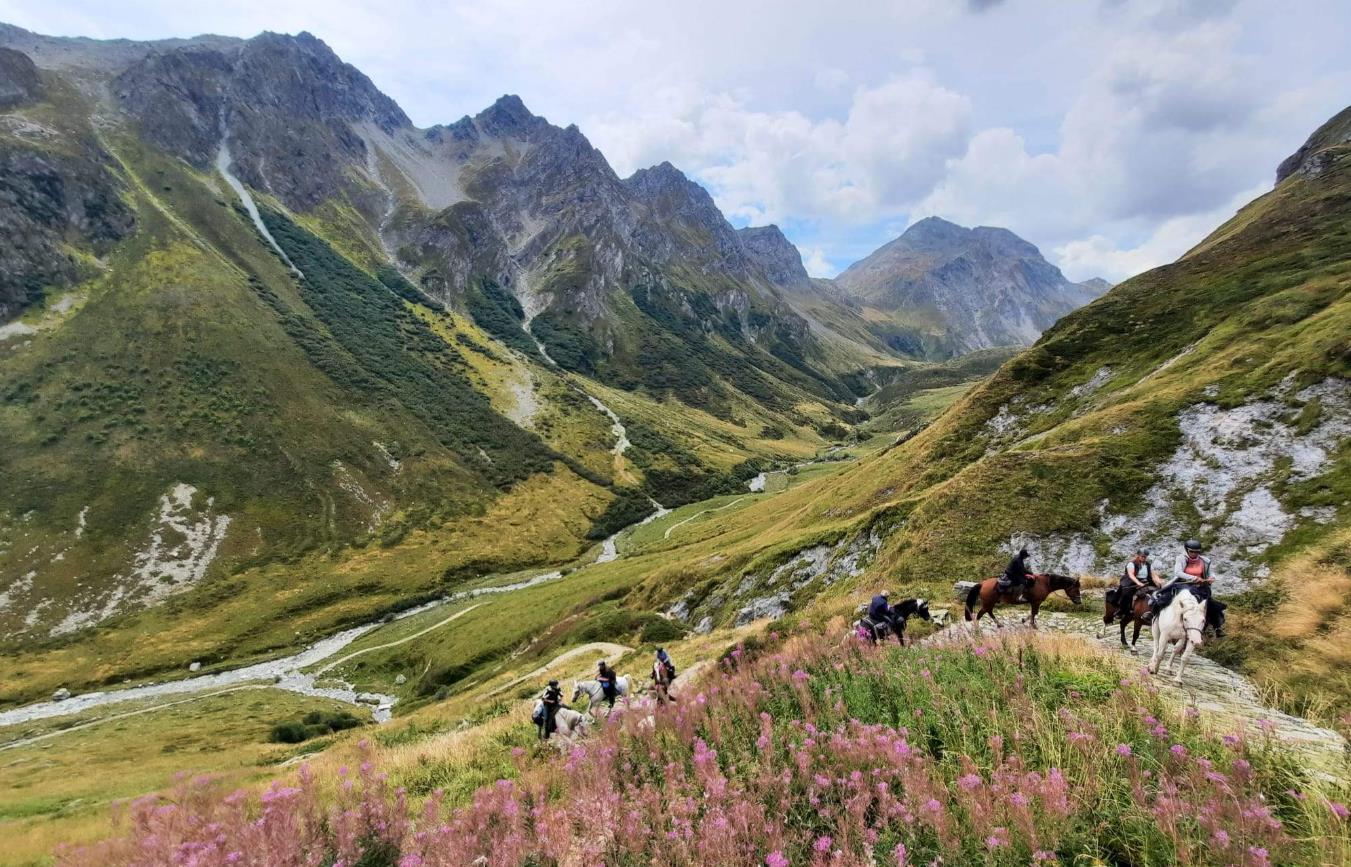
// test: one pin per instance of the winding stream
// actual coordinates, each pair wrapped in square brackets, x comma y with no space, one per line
[289,672]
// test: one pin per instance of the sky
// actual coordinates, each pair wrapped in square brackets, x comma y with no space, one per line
[1113,134]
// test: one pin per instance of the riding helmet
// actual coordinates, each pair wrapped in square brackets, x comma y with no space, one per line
[553,683]
[1192,545]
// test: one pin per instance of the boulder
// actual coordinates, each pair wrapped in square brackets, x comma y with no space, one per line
[400,680]
[369,698]
[194,666]
[61,694]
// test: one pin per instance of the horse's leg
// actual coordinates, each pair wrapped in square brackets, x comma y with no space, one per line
[1124,621]
[1036,606]
[997,624]
[1135,636]
[1187,648]
[1157,656]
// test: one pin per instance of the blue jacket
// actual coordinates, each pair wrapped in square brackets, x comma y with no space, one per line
[877,609]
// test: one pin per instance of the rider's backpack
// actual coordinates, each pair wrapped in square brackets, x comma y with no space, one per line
[670,669]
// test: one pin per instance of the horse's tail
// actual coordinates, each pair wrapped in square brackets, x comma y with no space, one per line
[972,596]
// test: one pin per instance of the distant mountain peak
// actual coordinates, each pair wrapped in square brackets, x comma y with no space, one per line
[769,248]
[507,116]
[953,290]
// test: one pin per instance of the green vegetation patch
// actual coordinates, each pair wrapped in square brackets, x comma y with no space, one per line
[385,352]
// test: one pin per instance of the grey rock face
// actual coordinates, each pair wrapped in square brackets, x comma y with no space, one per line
[48,199]
[19,79]
[973,288]
[775,255]
[1312,157]
[286,103]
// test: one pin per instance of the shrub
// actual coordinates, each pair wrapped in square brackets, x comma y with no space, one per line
[817,754]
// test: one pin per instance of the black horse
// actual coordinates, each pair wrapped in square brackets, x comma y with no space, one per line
[895,623]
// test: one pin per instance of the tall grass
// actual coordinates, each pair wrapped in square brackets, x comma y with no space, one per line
[1029,751]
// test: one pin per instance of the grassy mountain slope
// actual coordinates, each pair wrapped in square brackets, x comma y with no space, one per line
[1206,398]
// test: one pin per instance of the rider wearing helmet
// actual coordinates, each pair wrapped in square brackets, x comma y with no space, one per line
[1190,571]
[552,701]
[609,682]
[1137,576]
[1016,574]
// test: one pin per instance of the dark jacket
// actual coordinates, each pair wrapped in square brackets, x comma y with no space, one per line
[553,698]
[877,609]
[1144,573]
[1016,573]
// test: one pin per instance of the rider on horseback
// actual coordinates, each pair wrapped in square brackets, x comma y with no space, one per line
[1016,575]
[609,682]
[1138,575]
[552,701]
[663,674]
[880,614]
[1190,571]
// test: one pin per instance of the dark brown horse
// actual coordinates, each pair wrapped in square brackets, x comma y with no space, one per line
[1138,614]
[1043,585]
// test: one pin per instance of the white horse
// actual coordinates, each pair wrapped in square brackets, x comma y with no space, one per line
[1179,627]
[567,722]
[593,690]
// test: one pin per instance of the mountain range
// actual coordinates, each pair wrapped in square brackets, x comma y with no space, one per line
[259,321]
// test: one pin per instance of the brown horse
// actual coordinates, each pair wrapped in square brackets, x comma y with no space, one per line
[1138,614]
[1043,585]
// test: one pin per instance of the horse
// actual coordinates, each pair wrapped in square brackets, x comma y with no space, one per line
[1138,614]
[661,682]
[1181,623]
[567,722]
[593,690]
[871,632]
[1043,585]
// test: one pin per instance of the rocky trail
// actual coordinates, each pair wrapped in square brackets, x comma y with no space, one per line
[1227,699]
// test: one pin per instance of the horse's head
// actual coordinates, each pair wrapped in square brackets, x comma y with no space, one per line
[1193,615]
[1069,585]
[576,692]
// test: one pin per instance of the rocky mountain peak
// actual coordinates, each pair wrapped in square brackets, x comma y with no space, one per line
[1312,157]
[509,118]
[19,79]
[956,290]
[775,255]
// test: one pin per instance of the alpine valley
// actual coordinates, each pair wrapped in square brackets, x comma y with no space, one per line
[307,411]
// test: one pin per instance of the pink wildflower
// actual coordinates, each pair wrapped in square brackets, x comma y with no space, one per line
[1178,750]
[1123,749]
[822,843]
[900,852]
[1339,809]
[776,859]
[1222,838]
[801,676]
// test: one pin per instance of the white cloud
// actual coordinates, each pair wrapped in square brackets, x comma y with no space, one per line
[815,261]
[890,147]
[1100,256]
[1106,132]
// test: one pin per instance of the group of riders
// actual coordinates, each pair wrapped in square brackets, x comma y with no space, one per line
[663,674]
[1191,571]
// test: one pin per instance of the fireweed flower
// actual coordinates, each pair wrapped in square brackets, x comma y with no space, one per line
[1123,749]
[776,859]
[1339,809]
[822,843]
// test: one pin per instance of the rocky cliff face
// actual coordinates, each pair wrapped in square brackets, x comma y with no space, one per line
[19,79]
[57,196]
[958,290]
[775,255]
[1314,157]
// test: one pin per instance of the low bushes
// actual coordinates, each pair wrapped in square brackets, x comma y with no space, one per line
[1035,751]
[312,725]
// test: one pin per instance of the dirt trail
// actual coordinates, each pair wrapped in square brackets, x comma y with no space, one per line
[1228,699]
[604,648]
